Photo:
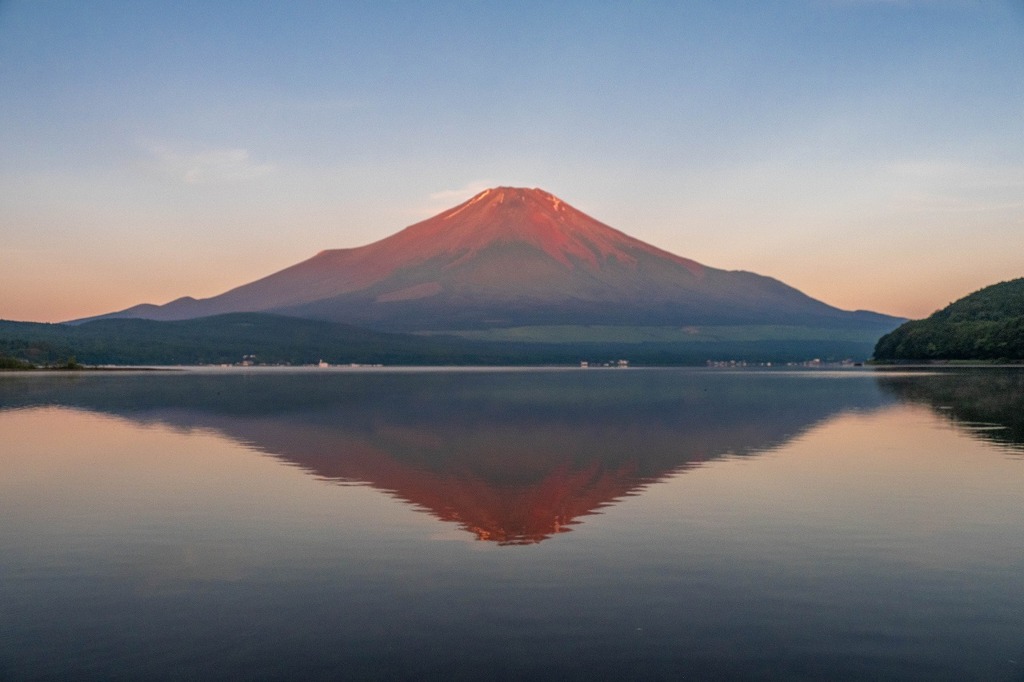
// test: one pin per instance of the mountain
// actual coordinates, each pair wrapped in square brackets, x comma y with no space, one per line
[986,325]
[513,257]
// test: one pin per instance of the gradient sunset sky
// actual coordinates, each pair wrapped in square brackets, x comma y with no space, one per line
[867,152]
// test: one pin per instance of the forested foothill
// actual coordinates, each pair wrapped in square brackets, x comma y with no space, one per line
[987,325]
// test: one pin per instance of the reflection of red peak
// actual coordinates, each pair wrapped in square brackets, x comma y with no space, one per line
[508,513]
[524,513]
[498,488]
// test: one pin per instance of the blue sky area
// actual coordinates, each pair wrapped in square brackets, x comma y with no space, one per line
[868,152]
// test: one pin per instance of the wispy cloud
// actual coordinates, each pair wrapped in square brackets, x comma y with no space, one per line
[331,106]
[440,200]
[209,166]
[959,174]
[854,3]
[935,185]
[462,193]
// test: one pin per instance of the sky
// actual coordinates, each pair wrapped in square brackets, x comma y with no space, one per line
[868,152]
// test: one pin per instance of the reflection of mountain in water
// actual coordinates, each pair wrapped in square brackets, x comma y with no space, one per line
[987,402]
[512,457]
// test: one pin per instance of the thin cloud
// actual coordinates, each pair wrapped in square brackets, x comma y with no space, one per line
[462,193]
[958,174]
[332,106]
[445,199]
[950,186]
[210,166]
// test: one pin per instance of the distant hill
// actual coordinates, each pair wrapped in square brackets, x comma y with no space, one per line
[512,258]
[220,339]
[277,339]
[986,325]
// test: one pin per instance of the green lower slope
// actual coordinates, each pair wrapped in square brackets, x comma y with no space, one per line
[273,339]
[691,334]
[219,339]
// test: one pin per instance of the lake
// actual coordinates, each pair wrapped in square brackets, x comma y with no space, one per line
[490,524]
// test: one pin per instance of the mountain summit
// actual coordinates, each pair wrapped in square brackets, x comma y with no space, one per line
[514,257]
[530,217]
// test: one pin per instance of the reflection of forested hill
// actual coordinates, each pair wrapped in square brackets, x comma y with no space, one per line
[973,399]
[511,456]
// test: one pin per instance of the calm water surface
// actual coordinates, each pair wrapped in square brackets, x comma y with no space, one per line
[638,524]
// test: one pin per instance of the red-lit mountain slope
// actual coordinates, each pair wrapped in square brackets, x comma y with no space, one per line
[509,257]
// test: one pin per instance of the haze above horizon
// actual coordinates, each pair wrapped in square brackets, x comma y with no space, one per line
[867,152]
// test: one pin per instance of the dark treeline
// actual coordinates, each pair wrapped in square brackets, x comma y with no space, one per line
[7,362]
[272,339]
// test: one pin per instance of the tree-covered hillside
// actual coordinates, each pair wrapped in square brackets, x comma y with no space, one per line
[270,339]
[986,325]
